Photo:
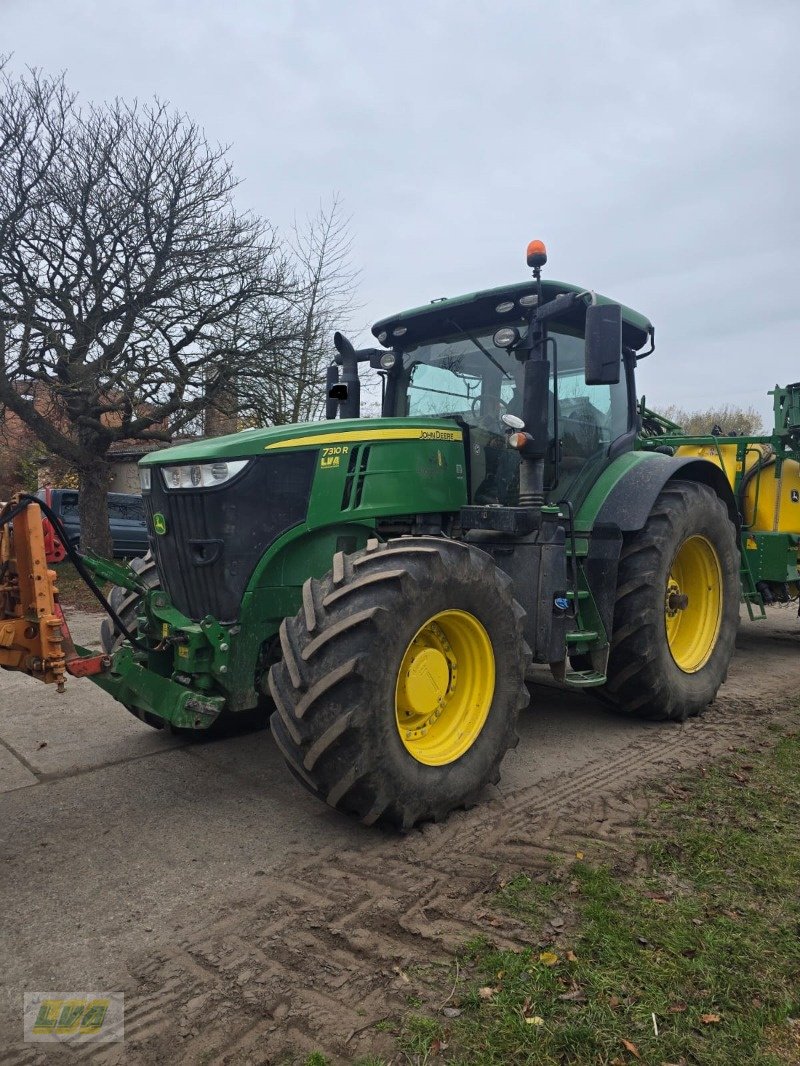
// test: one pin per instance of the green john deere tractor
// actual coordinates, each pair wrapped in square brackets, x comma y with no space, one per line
[383,584]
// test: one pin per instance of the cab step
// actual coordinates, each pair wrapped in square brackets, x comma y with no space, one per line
[580,636]
[584,678]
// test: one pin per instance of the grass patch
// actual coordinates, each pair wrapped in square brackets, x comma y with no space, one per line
[704,947]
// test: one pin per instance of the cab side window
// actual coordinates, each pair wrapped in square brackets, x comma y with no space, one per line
[590,417]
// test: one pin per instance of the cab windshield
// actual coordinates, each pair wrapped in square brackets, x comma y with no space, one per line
[465,377]
[459,377]
[468,378]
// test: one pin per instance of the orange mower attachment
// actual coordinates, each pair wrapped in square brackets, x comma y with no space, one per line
[33,635]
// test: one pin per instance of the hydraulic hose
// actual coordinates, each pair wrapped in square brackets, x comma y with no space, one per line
[75,558]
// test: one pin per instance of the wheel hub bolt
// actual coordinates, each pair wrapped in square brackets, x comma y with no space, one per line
[677,601]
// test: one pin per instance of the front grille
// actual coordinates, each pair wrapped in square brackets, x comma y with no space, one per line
[215,537]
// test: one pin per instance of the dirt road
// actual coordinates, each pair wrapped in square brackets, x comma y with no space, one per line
[247,923]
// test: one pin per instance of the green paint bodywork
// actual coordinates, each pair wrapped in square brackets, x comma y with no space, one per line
[149,693]
[425,473]
[772,556]
[609,476]
[252,442]
[636,323]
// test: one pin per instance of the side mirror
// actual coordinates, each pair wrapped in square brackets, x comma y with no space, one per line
[603,344]
[348,392]
[331,383]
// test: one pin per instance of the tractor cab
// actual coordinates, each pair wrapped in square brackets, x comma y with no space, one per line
[465,359]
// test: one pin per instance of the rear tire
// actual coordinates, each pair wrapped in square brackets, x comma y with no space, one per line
[668,662]
[341,696]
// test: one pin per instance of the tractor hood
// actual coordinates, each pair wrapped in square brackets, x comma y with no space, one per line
[253,442]
[208,535]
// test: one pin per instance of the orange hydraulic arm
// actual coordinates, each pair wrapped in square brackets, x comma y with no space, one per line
[32,634]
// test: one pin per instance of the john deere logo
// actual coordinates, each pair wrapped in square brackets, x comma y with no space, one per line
[159,524]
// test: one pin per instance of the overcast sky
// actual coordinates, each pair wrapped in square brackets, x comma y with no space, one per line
[654,147]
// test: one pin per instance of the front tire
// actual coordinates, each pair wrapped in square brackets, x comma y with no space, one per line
[126,603]
[401,680]
[677,607]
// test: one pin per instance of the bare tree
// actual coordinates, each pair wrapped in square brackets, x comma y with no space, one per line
[292,388]
[132,293]
[730,419]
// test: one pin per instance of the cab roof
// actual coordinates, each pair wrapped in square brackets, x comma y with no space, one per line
[480,308]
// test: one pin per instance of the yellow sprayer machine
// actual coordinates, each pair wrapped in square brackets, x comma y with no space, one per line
[764,473]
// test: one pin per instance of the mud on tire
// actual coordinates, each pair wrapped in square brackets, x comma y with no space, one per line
[334,688]
[643,676]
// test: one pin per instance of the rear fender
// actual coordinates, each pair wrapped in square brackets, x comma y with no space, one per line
[621,502]
[631,498]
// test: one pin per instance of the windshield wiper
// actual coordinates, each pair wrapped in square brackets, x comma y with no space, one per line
[480,347]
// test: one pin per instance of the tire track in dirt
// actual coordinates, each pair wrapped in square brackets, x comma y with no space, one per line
[320,953]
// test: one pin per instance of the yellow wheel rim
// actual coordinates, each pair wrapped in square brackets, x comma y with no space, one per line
[444,688]
[693,604]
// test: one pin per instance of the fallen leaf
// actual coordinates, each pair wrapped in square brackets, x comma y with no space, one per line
[578,854]
[571,956]
[614,1002]
[575,995]
[548,958]
[677,1008]
[487,992]
[710,1019]
[757,1002]
[629,1046]
[534,1020]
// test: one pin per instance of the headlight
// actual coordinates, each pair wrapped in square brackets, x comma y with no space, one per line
[506,337]
[201,475]
[144,478]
